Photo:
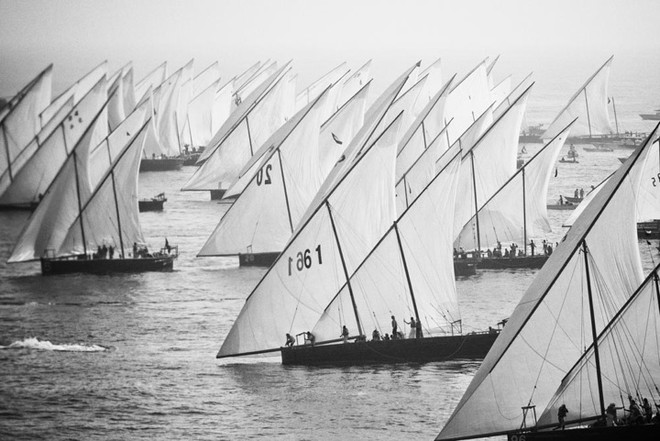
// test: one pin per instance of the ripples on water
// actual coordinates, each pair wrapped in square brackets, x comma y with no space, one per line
[132,356]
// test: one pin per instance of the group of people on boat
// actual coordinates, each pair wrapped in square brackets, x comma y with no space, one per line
[633,415]
[512,251]
[104,252]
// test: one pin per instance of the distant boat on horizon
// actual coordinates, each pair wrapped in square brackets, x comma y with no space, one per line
[651,116]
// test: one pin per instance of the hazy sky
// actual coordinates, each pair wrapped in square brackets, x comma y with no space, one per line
[77,34]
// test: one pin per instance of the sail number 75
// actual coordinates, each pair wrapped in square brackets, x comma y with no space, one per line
[303,260]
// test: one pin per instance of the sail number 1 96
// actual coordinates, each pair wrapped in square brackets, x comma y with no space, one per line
[303,260]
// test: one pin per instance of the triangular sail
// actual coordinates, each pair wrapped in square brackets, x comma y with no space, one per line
[351,85]
[409,272]
[548,328]
[73,185]
[200,116]
[313,90]
[21,123]
[489,163]
[317,260]
[513,95]
[256,81]
[32,180]
[262,218]
[78,91]
[205,78]
[151,81]
[629,361]
[517,211]
[243,133]
[244,77]
[110,216]
[589,105]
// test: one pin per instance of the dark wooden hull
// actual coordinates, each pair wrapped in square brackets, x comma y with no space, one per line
[536,261]
[648,230]
[191,159]
[50,266]
[561,207]
[216,195]
[151,205]
[531,139]
[258,259]
[465,267]
[637,433]
[165,164]
[650,116]
[416,350]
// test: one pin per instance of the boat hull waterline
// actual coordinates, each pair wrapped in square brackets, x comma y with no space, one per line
[50,266]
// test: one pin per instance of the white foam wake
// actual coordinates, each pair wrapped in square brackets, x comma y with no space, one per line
[45,345]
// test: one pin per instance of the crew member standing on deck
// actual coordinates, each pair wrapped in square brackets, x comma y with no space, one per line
[395,328]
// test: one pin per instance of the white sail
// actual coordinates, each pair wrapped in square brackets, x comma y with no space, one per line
[351,85]
[411,263]
[548,330]
[513,95]
[116,112]
[200,114]
[318,86]
[489,70]
[489,163]
[129,91]
[242,92]
[205,78]
[373,120]
[585,201]
[422,132]
[32,180]
[517,212]
[648,194]
[628,358]
[21,123]
[501,90]
[468,99]
[78,91]
[167,123]
[73,185]
[262,218]
[243,133]
[110,216]
[151,81]
[244,77]
[185,95]
[434,81]
[589,105]
[221,106]
[336,133]
[292,295]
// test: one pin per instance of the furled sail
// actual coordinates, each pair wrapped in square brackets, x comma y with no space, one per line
[320,256]
[548,329]
[589,104]
[21,122]
[489,163]
[243,133]
[409,271]
[517,211]
[32,180]
[79,176]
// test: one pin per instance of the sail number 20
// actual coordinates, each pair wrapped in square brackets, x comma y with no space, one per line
[260,175]
[303,260]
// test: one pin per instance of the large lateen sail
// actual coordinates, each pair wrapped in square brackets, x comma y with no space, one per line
[199,124]
[151,81]
[21,122]
[255,81]
[248,127]
[578,291]
[262,218]
[628,362]
[221,106]
[589,105]
[522,86]
[78,91]
[313,90]
[517,211]
[319,258]
[355,82]
[489,163]
[205,78]
[409,271]
[468,99]
[79,176]
[31,181]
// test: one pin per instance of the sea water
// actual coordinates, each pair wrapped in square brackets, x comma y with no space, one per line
[133,356]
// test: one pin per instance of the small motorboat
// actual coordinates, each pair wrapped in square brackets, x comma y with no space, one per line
[153,204]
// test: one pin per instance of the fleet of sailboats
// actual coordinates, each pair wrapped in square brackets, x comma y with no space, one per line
[363,214]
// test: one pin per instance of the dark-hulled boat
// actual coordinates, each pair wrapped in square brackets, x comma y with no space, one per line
[161,164]
[257,259]
[153,204]
[642,432]
[413,350]
[83,264]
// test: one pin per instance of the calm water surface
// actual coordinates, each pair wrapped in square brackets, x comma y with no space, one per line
[132,356]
